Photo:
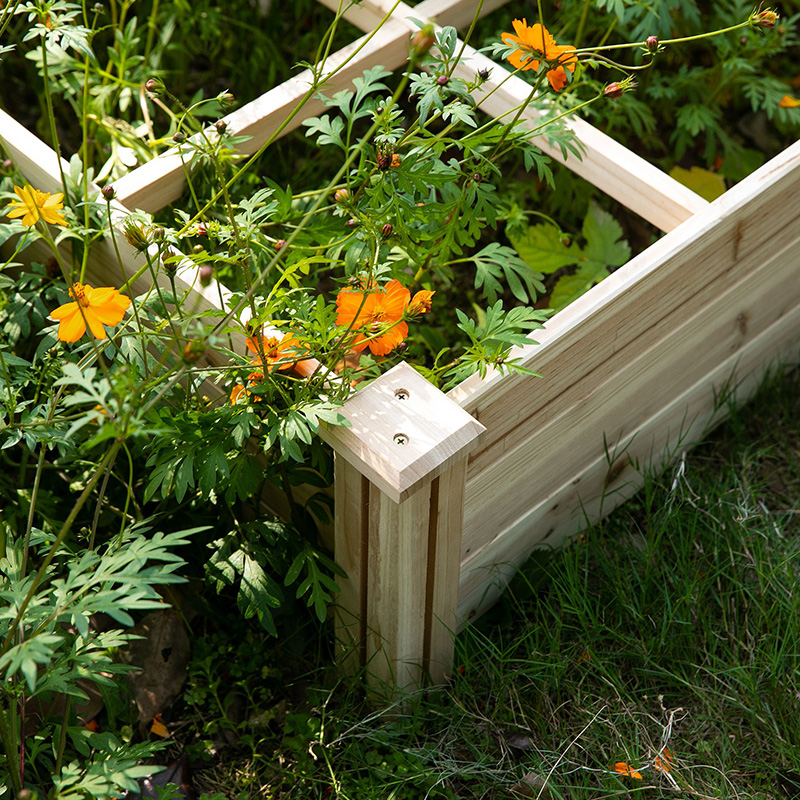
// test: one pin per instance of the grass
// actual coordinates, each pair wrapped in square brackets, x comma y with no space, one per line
[674,624]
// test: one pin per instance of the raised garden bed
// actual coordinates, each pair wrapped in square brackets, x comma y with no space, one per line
[440,497]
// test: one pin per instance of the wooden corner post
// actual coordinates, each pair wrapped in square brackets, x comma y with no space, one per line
[400,474]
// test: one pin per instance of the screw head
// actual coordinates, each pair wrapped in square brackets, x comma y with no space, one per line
[400,439]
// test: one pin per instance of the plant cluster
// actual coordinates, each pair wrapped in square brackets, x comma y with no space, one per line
[163,416]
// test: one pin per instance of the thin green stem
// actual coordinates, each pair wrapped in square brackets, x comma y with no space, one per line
[32,510]
[51,118]
[11,752]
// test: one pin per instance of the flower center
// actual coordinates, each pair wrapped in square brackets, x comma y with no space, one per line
[377,321]
[78,292]
[271,347]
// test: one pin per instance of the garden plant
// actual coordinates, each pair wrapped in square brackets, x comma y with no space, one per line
[139,430]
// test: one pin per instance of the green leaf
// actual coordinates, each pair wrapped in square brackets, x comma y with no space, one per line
[604,243]
[571,287]
[543,249]
[709,185]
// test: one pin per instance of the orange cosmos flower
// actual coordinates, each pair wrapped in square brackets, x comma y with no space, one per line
[535,44]
[33,204]
[278,354]
[624,769]
[377,315]
[92,307]
[663,761]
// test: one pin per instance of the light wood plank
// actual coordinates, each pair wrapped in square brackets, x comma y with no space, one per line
[398,568]
[621,401]
[444,569]
[619,172]
[586,498]
[637,305]
[350,531]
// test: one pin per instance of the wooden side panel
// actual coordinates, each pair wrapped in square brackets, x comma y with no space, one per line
[351,542]
[396,585]
[615,405]
[444,569]
[601,485]
[643,302]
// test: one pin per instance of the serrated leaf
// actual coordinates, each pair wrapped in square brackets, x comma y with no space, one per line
[603,235]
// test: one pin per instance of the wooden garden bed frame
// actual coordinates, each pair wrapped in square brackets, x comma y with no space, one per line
[440,497]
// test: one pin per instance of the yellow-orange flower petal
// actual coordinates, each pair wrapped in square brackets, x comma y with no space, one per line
[93,308]
[159,728]
[535,44]
[624,769]
[787,101]
[33,204]
[663,761]
[420,303]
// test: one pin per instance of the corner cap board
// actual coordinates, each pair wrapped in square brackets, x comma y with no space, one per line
[403,432]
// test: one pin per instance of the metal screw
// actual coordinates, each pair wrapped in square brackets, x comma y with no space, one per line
[401,394]
[401,439]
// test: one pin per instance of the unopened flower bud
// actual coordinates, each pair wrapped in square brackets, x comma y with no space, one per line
[341,195]
[108,192]
[136,235]
[443,80]
[766,18]
[613,90]
[205,274]
[352,223]
[179,137]
[652,44]
[280,244]
[202,230]
[484,74]
[422,41]
[170,263]
[477,177]
[197,249]
[192,351]
[154,86]
[98,8]
[225,98]
[396,160]
[384,159]
[387,230]
[221,126]
[401,348]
